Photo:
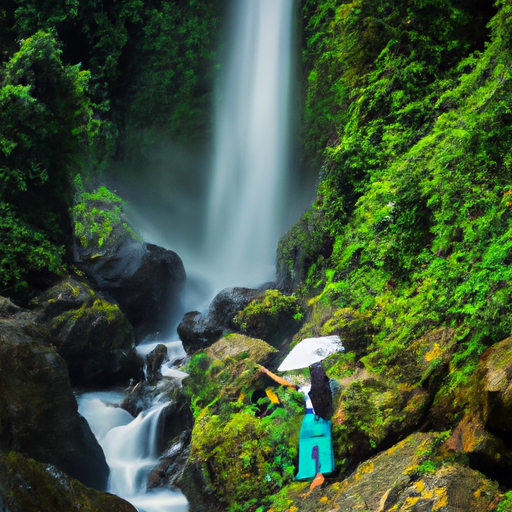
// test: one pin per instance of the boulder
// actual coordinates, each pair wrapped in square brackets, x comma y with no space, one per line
[91,334]
[146,281]
[410,476]
[271,316]
[30,486]
[234,345]
[199,330]
[153,363]
[376,409]
[38,411]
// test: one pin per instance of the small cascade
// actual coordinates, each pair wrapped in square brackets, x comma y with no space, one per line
[131,450]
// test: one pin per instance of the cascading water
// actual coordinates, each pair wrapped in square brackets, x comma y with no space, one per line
[130,447]
[251,147]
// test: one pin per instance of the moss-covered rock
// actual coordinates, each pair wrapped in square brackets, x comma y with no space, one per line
[91,334]
[38,412]
[411,476]
[238,455]
[273,317]
[30,486]
[234,345]
[378,407]
[146,281]
[481,412]
[353,327]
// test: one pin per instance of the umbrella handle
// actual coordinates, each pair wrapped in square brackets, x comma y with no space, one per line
[277,379]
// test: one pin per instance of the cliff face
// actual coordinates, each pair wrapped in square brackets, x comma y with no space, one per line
[406,252]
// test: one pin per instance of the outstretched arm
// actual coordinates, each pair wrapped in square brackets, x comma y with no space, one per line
[277,379]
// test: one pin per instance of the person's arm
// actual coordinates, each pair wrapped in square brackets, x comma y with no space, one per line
[277,379]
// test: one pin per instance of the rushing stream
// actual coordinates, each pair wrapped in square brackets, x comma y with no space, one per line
[130,444]
[245,206]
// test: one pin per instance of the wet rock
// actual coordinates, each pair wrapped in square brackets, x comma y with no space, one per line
[30,486]
[91,334]
[237,345]
[38,412]
[272,317]
[410,476]
[199,330]
[154,361]
[146,281]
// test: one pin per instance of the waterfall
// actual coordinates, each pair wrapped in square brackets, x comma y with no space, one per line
[130,447]
[251,146]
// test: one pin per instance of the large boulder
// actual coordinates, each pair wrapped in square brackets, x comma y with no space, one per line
[91,334]
[27,485]
[199,330]
[272,317]
[376,409]
[410,476]
[38,411]
[234,345]
[485,422]
[146,281]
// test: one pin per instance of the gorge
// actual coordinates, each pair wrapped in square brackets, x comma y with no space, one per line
[401,111]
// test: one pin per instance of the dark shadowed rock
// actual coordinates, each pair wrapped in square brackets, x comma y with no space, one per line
[145,280]
[38,412]
[199,330]
[91,334]
[154,361]
[31,486]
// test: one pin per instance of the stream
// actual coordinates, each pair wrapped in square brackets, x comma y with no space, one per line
[130,444]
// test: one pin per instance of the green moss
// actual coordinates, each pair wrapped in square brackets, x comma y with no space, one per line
[243,456]
[271,317]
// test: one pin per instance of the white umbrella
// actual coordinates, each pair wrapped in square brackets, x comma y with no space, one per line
[309,351]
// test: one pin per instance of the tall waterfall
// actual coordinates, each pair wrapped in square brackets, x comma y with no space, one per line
[251,146]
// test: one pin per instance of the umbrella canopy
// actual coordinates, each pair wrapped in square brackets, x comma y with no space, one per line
[309,351]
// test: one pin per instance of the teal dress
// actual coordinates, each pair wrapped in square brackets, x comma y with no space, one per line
[315,444]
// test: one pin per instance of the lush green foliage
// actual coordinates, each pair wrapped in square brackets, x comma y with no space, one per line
[80,81]
[45,117]
[415,191]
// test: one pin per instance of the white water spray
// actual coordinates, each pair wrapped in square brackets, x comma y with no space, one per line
[131,450]
[252,146]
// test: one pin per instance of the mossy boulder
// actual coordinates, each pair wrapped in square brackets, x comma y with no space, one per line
[233,345]
[413,476]
[273,317]
[91,334]
[38,411]
[379,405]
[237,456]
[481,412]
[200,330]
[27,485]
[353,327]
